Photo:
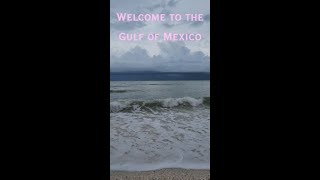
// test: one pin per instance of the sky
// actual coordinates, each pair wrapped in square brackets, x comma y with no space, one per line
[164,56]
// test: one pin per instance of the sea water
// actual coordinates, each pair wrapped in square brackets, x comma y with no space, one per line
[159,124]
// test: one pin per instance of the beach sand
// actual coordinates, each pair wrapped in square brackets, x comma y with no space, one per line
[165,174]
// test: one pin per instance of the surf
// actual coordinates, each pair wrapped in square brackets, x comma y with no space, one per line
[156,104]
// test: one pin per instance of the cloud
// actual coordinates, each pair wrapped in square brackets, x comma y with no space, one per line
[168,25]
[164,6]
[206,18]
[172,3]
[173,57]
[127,26]
[124,25]
[154,7]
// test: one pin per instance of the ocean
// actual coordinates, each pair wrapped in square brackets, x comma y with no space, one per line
[159,124]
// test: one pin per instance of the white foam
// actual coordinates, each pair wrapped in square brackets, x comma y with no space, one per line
[173,102]
[171,138]
[117,106]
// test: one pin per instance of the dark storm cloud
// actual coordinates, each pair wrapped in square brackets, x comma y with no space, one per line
[174,56]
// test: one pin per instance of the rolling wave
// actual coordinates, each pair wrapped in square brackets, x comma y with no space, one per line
[151,105]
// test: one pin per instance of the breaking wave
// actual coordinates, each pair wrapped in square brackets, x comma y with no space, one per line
[151,105]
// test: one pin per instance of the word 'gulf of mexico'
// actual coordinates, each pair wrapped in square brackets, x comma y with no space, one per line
[165,36]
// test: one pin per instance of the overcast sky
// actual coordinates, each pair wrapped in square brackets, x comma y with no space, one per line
[168,56]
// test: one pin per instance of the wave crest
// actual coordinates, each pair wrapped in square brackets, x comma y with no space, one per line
[150,105]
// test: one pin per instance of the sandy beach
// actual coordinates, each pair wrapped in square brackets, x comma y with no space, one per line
[165,174]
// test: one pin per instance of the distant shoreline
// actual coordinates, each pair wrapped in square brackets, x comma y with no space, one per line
[159,76]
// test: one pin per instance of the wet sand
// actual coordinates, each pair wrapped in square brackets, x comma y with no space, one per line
[165,174]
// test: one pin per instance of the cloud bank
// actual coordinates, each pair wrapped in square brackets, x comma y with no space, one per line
[173,57]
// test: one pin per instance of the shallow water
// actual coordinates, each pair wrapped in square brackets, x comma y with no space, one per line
[159,124]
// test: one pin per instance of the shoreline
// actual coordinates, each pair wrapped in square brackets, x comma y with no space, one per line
[168,174]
